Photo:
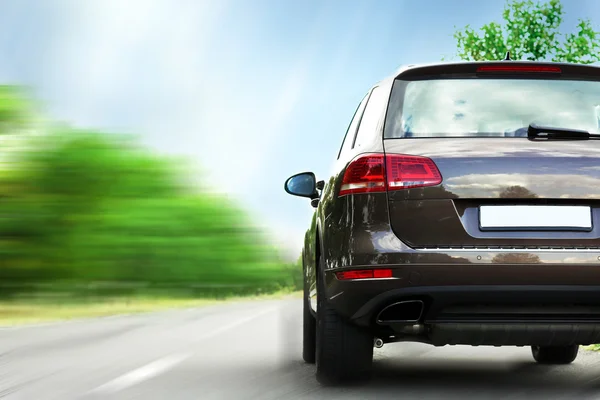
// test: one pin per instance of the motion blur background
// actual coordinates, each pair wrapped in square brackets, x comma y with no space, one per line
[143,149]
[145,143]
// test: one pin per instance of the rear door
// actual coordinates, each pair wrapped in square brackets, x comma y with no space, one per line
[477,181]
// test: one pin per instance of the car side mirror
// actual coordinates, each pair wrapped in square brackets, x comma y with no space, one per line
[303,185]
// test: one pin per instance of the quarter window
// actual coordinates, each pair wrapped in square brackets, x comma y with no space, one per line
[371,117]
[351,132]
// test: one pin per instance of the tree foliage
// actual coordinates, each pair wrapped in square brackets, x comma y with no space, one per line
[85,206]
[15,108]
[530,31]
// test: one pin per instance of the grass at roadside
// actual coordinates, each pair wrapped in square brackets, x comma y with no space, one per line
[593,347]
[28,311]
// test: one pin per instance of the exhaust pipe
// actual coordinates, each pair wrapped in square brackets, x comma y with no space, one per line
[378,343]
[403,312]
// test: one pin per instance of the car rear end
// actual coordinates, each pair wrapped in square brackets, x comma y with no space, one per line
[464,231]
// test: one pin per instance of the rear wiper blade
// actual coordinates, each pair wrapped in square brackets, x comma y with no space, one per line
[535,132]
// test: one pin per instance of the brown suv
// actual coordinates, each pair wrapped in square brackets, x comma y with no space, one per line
[464,208]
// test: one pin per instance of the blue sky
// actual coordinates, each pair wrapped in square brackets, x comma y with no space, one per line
[251,90]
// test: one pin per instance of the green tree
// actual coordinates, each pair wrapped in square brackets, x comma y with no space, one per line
[82,207]
[15,108]
[530,31]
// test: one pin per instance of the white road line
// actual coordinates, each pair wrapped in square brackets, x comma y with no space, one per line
[141,374]
[166,363]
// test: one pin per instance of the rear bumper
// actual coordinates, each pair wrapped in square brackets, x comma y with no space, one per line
[519,304]
[486,304]
[442,286]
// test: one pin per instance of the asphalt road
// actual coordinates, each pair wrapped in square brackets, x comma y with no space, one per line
[252,351]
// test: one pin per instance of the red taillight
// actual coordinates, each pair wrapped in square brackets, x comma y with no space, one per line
[405,172]
[364,274]
[519,68]
[367,174]
[364,174]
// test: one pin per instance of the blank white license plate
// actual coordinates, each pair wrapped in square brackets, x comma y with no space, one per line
[535,217]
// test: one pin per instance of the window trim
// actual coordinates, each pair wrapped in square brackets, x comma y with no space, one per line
[354,116]
[362,115]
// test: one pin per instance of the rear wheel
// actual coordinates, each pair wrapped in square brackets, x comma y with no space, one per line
[555,354]
[309,337]
[344,350]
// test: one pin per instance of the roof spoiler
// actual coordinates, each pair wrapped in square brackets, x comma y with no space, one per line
[504,68]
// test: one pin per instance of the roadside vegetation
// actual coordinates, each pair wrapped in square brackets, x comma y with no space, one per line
[93,215]
[42,309]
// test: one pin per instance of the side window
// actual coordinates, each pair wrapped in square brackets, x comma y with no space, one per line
[371,117]
[351,132]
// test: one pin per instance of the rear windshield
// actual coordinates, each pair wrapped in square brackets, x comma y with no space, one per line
[490,107]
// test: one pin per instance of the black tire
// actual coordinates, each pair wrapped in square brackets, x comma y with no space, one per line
[555,354]
[344,350]
[309,336]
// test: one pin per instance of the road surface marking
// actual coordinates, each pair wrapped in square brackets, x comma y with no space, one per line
[141,374]
[164,364]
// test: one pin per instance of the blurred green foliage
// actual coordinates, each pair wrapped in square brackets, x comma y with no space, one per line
[84,209]
[530,31]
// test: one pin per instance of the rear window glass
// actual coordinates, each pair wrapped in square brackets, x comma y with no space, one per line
[490,107]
